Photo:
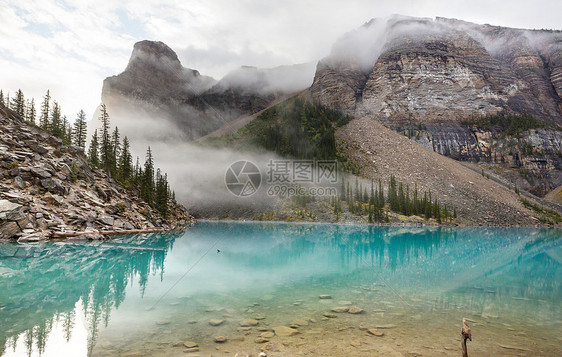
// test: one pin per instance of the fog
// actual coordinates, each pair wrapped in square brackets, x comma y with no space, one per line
[287,79]
[364,45]
[196,172]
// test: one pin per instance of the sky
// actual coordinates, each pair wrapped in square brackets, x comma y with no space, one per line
[70,46]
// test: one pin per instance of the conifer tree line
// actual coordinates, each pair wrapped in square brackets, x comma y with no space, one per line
[399,198]
[106,151]
[49,117]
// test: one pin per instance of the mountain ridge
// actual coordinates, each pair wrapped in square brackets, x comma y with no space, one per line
[155,83]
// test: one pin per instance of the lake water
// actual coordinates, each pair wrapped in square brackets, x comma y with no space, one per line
[146,295]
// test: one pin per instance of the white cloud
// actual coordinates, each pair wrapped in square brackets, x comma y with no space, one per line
[71,46]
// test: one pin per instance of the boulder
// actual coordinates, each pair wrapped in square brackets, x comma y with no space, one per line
[33,237]
[355,310]
[40,172]
[248,322]
[340,309]
[285,331]
[53,185]
[108,221]
[9,230]
[18,182]
[220,339]
[36,147]
[375,332]
[10,211]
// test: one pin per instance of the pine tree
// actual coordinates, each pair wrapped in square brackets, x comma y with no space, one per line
[30,113]
[393,195]
[93,151]
[137,173]
[426,206]
[56,126]
[125,169]
[66,132]
[116,146]
[162,193]
[381,195]
[2,98]
[342,189]
[18,104]
[401,199]
[45,111]
[106,149]
[80,129]
[147,182]
[416,208]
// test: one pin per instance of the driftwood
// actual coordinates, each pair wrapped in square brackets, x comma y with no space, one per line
[70,234]
[466,334]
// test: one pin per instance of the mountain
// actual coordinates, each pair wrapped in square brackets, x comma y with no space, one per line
[391,100]
[155,84]
[476,93]
[48,187]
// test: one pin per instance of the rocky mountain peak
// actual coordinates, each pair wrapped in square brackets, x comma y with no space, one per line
[154,54]
[442,69]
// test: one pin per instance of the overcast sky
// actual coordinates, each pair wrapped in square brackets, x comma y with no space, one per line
[70,46]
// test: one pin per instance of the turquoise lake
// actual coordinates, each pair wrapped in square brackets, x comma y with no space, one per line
[146,295]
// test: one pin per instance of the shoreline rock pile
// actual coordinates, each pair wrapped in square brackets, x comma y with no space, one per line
[47,187]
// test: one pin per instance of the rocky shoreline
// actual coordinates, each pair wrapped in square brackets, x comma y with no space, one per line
[47,189]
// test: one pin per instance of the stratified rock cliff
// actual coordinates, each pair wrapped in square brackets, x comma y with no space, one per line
[47,187]
[429,78]
[156,85]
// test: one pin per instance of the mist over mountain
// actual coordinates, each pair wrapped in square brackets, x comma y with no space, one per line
[479,94]
[456,88]
[442,70]
[155,84]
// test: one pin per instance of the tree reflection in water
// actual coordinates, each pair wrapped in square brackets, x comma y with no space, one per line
[41,283]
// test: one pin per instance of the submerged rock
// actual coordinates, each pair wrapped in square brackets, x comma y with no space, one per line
[249,322]
[267,334]
[340,309]
[300,322]
[324,297]
[220,339]
[375,332]
[190,344]
[285,331]
[355,310]
[216,322]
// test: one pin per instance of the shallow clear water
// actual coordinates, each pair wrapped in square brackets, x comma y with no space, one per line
[142,295]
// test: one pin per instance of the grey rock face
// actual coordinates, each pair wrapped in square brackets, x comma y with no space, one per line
[425,78]
[441,70]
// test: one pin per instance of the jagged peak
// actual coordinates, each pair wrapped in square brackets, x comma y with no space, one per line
[157,48]
[153,53]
